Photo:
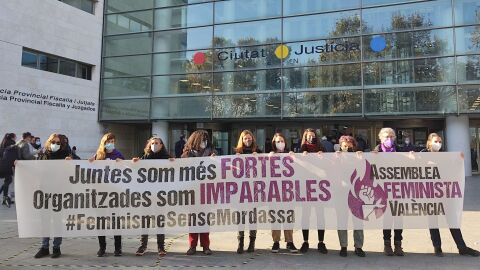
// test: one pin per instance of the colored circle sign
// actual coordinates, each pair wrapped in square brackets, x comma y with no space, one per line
[281,52]
[378,44]
[199,58]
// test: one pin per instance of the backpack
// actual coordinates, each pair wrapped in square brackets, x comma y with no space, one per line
[10,154]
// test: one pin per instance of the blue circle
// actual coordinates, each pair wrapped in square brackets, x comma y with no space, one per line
[378,44]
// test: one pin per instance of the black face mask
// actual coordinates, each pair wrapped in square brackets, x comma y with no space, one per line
[313,141]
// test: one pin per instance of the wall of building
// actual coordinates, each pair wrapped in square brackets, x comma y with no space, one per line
[56,28]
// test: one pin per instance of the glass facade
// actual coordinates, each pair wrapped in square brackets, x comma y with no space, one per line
[287,59]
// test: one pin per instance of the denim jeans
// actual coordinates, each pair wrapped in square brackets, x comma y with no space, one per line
[57,241]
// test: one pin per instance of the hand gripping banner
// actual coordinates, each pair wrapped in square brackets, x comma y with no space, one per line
[240,192]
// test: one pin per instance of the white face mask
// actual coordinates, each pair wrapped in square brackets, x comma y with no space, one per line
[54,147]
[407,141]
[203,145]
[436,147]
[280,146]
[155,148]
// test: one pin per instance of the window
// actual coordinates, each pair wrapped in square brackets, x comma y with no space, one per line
[85,5]
[55,64]
[239,10]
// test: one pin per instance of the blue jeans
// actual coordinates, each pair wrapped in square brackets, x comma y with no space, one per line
[57,241]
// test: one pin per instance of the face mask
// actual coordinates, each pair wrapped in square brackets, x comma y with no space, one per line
[37,142]
[407,141]
[312,140]
[109,146]
[203,145]
[155,148]
[388,143]
[280,146]
[436,147]
[54,147]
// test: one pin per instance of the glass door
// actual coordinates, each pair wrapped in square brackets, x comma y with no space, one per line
[474,147]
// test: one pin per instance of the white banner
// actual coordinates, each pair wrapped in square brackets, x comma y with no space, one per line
[241,192]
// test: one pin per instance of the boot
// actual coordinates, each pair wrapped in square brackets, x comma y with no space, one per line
[240,245]
[398,248]
[251,245]
[387,249]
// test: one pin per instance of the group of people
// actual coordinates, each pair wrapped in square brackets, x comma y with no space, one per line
[198,145]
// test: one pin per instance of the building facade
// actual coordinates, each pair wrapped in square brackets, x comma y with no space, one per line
[50,69]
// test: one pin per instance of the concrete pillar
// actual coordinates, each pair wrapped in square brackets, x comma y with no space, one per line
[457,138]
[160,129]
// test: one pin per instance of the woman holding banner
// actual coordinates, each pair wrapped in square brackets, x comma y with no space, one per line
[279,146]
[154,149]
[349,144]
[197,146]
[106,151]
[311,144]
[247,144]
[434,144]
[54,149]
[387,144]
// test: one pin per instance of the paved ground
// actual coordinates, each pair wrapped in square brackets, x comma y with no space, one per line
[79,253]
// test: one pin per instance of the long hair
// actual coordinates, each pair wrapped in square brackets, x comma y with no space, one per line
[101,154]
[304,139]
[8,140]
[48,142]
[148,150]
[240,146]
[348,139]
[274,146]
[194,141]
[430,138]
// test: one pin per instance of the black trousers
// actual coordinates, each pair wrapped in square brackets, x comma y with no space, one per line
[160,240]
[6,184]
[117,240]
[321,235]
[456,234]
[387,235]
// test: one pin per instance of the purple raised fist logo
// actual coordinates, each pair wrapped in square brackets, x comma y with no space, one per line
[365,197]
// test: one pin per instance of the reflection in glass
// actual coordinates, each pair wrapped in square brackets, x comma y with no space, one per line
[467,12]
[346,23]
[422,100]
[367,3]
[129,22]
[128,5]
[127,66]
[410,44]
[168,3]
[67,68]
[293,7]
[184,39]
[181,107]
[468,68]
[48,63]
[468,39]
[29,59]
[184,16]
[256,80]
[182,62]
[239,10]
[405,17]
[248,106]
[127,109]
[300,104]
[248,33]
[128,44]
[322,76]
[126,87]
[246,57]
[410,71]
[194,83]
[469,98]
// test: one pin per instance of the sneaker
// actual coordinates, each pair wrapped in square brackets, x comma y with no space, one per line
[359,252]
[192,251]
[322,248]
[141,250]
[291,247]
[56,253]
[343,252]
[438,251]
[469,251]
[304,247]
[207,251]
[43,252]
[275,247]
[161,251]
[117,253]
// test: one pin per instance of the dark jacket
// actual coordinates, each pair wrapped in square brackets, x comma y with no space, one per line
[24,151]
[159,155]
[407,148]
[10,154]
[248,150]
[114,155]
[49,155]
[327,145]
[205,153]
